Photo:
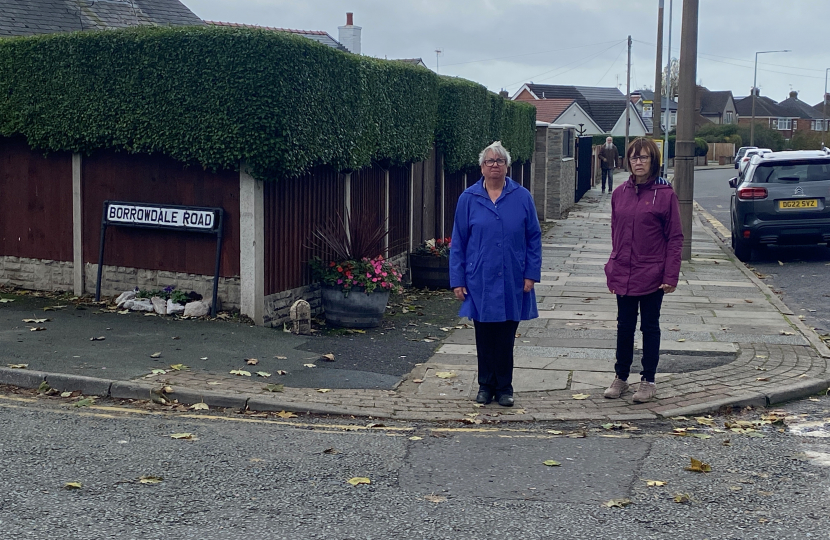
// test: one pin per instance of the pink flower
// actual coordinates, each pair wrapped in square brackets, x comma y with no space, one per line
[384,274]
[374,279]
[339,281]
[368,275]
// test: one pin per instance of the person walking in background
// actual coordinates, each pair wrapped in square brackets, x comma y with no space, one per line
[495,260]
[608,160]
[646,242]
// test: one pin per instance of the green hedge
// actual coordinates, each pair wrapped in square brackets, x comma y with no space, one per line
[218,96]
[470,117]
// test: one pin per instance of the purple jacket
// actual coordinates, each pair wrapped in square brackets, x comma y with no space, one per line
[646,238]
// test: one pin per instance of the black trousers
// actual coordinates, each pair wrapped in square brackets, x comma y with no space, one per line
[494,347]
[649,310]
[609,174]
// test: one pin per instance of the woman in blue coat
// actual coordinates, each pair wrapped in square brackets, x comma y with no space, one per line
[495,260]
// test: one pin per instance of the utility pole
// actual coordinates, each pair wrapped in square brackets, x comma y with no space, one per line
[437,54]
[824,110]
[684,165]
[656,105]
[627,94]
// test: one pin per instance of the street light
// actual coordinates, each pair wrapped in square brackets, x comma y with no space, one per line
[754,89]
[824,111]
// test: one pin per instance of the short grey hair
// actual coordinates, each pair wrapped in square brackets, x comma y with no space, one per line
[498,150]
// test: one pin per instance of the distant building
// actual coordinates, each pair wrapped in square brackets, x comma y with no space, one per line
[598,110]
[643,100]
[788,117]
[316,35]
[716,106]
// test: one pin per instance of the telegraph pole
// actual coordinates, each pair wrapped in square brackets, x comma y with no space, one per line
[684,166]
[656,106]
[627,94]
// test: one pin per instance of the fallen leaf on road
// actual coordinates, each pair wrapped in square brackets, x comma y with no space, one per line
[780,263]
[123,312]
[150,479]
[415,438]
[762,379]
[357,480]
[581,396]
[679,418]
[53,308]
[735,488]
[655,483]
[203,358]
[240,372]
[323,390]
[617,503]
[263,374]
[178,367]
[698,466]
[682,498]
[309,365]
[417,381]
[274,387]
[5,300]
[785,333]
[282,372]
[155,355]
[759,368]
[281,357]
[72,485]
[66,394]
[283,414]
[435,498]
[551,463]
[185,436]
[86,402]
[158,372]
[705,420]
[329,357]
[331,451]
[200,407]
[36,321]
[555,432]
[252,361]
[446,374]
[99,338]
[18,366]
[681,339]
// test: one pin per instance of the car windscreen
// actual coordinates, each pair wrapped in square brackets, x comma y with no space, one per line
[792,172]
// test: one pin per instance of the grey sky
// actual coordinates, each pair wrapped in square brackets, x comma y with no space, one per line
[503,44]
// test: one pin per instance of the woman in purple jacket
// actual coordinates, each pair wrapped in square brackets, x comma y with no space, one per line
[646,238]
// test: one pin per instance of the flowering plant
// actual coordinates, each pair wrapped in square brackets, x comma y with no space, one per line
[370,274]
[439,247]
[354,246]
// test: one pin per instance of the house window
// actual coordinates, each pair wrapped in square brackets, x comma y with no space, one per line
[784,123]
[673,120]
[817,125]
[795,124]
[728,119]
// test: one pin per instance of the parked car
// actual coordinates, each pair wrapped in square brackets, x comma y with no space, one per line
[748,156]
[782,199]
[741,151]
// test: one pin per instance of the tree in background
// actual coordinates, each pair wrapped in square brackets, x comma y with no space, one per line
[738,135]
[674,71]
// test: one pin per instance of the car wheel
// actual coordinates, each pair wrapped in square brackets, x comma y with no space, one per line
[742,249]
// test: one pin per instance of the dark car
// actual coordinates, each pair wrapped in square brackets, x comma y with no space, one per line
[781,199]
[741,151]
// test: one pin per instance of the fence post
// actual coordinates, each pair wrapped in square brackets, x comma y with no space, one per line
[251,246]
[78,270]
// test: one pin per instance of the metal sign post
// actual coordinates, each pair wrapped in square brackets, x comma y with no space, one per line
[163,217]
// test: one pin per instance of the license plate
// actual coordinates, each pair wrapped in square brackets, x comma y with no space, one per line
[798,203]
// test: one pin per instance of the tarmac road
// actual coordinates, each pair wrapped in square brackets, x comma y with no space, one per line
[264,477]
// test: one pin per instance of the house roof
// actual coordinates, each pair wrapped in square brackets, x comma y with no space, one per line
[548,110]
[29,17]
[713,102]
[764,107]
[410,61]
[603,105]
[797,108]
[316,35]
[648,95]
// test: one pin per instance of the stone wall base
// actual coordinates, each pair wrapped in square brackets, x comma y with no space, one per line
[117,279]
[36,274]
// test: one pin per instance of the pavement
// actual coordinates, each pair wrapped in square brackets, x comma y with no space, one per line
[727,341]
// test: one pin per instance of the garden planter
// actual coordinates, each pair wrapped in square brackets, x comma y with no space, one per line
[429,271]
[357,310]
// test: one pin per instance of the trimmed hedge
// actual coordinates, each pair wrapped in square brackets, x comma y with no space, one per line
[217,96]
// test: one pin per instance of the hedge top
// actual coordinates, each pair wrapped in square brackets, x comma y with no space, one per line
[219,96]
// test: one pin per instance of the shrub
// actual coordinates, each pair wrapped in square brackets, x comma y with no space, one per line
[701,147]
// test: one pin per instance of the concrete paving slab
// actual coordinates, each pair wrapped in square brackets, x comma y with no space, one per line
[591,380]
[537,380]
[458,387]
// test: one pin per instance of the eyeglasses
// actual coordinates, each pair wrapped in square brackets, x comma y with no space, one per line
[639,159]
[491,162]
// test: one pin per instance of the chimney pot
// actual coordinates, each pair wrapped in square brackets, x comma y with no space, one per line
[349,19]
[793,94]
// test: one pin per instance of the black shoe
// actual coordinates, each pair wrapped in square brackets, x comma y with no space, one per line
[484,396]
[506,400]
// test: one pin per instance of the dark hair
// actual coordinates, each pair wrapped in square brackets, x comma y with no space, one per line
[642,146]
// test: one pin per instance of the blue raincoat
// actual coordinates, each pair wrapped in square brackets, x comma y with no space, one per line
[494,248]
